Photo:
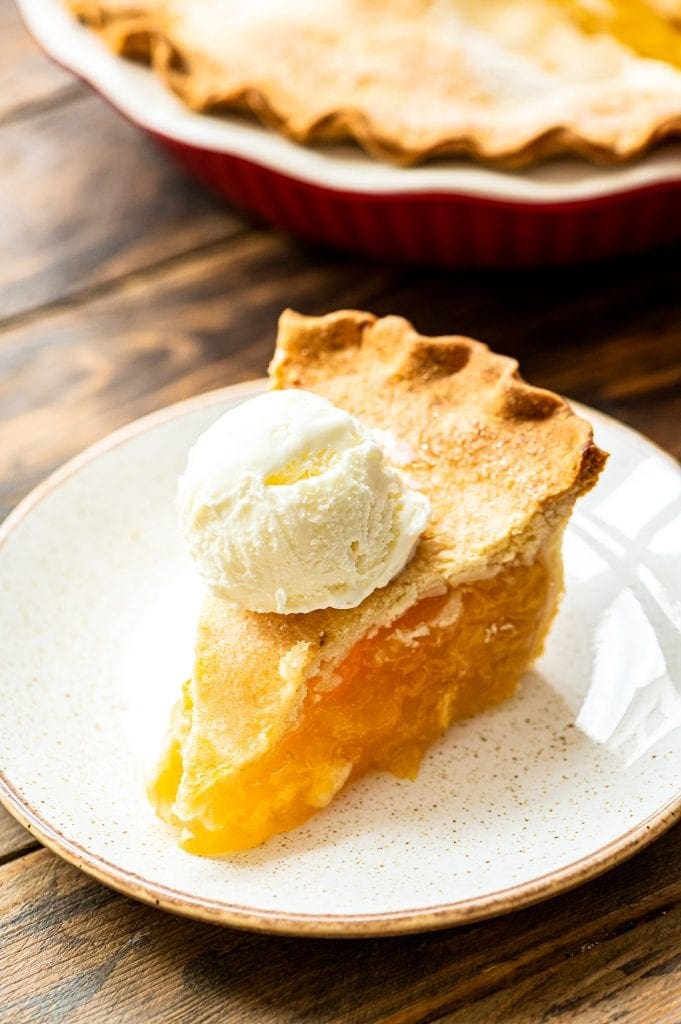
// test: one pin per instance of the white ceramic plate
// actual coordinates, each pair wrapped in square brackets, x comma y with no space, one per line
[509,808]
[139,94]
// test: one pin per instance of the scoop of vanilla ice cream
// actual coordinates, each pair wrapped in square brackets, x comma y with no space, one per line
[287,505]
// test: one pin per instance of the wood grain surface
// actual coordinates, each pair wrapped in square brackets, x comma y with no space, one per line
[123,287]
[28,82]
[609,951]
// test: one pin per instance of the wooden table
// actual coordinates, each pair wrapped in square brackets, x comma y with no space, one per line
[124,287]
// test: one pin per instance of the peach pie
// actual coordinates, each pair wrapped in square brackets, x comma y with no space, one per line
[507,81]
[283,710]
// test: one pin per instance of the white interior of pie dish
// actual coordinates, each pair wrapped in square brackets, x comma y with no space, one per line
[140,96]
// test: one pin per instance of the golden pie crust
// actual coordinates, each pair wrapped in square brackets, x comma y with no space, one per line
[505,81]
[502,464]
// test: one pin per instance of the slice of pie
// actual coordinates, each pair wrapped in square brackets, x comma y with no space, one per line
[508,81]
[283,710]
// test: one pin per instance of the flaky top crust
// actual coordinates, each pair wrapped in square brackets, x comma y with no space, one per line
[491,452]
[507,81]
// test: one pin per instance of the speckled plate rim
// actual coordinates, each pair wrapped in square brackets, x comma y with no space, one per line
[387,923]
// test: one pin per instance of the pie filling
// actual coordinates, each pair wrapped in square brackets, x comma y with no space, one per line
[380,707]
[635,23]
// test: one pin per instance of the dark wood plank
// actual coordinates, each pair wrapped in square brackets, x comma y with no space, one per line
[70,377]
[87,200]
[14,839]
[632,977]
[98,957]
[28,80]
